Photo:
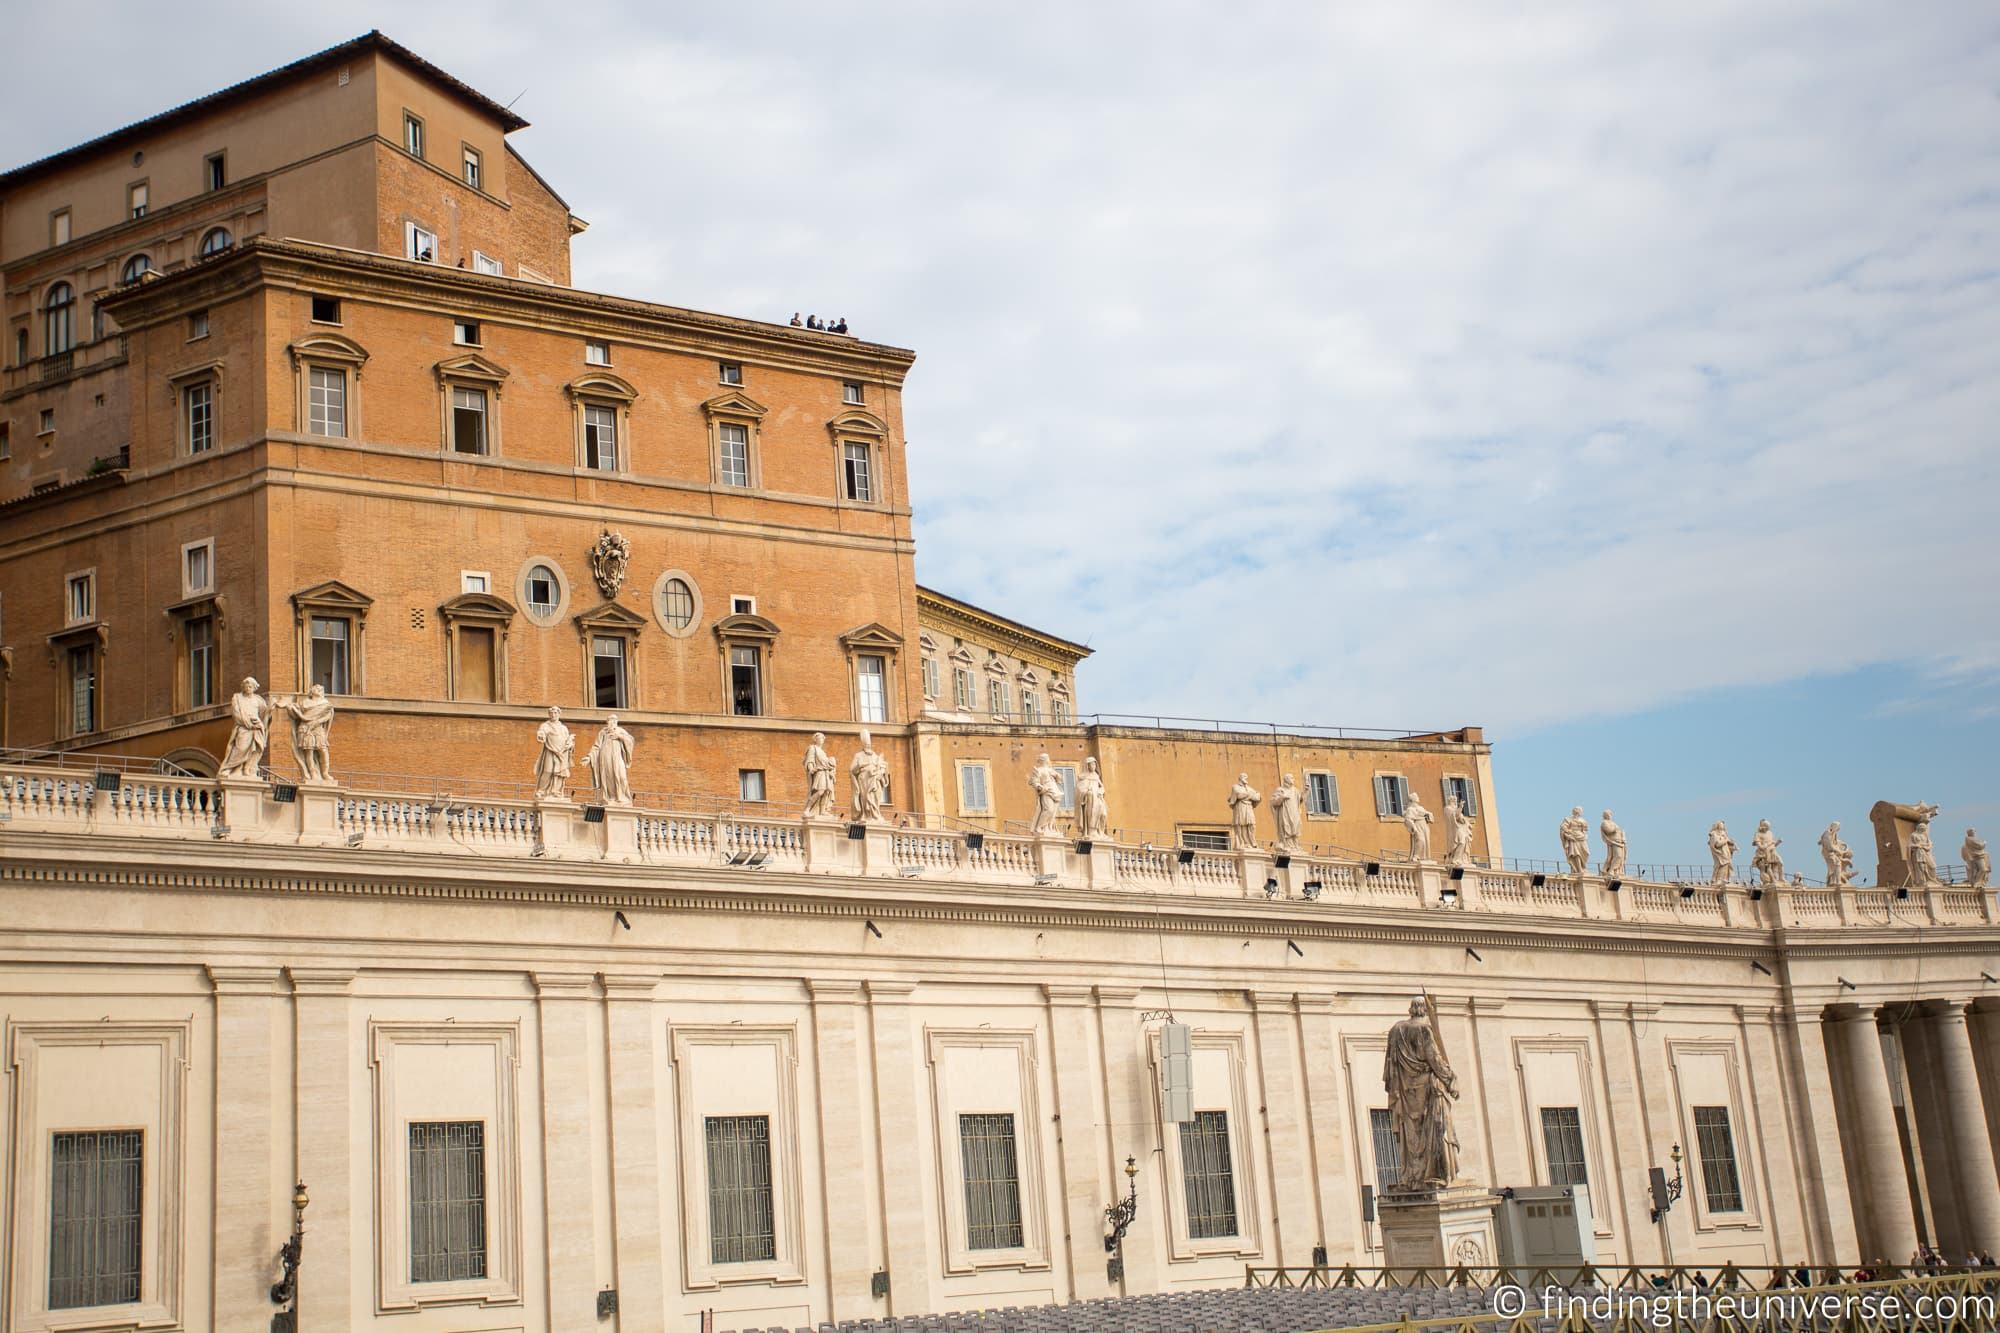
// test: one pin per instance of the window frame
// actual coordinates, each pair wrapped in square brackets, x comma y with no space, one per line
[126,277]
[206,545]
[327,352]
[868,433]
[134,1223]
[744,784]
[411,1130]
[1332,791]
[207,251]
[138,198]
[71,649]
[215,171]
[858,477]
[465,332]
[964,689]
[87,580]
[597,353]
[738,410]
[472,167]
[487,264]
[871,707]
[660,590]
[479,609]
[1730,1187]
[603,392]
[207,382]
[332,600]
[851,394]
[58,318]
[1563,1171]
[1001,1235]
[525,576]
[468,374]
[985,769]
[729,374]
[999,699]
[1192,1173]
[609,620]
[610,648]
[414,135]
[1470,804]
[932,677]
[1401,785]
[412,230]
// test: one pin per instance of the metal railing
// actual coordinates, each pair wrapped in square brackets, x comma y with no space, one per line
[1719,1276]
[1168,722]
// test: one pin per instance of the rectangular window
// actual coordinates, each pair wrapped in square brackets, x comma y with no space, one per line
[197,325]
[1062,713]
[214,170]
[607,671]
[326,309]
[326,402]
[200,632]
[6,443]
[850,392]
[413,135]
[465,332]
[329,653]
[730,372]
[735,444]
[1205,839]
[600,437]
[82,599]
[992,1182]
[137,196]
[1463,789]
[1031,707]
[47,421]
[1562,1141]
[1388,1152]
[1392,794]
[750,784]
[419,243]
[1206,1177]
[961,688]
[468,421]
[856,474]
[474,580]
[80,663]
[1321,796]
[996,699]
[447,1201]
[59,227]
[1717,1145]
[596,352]
[197,569]
[742,606]
[930,669]
[972,790]
[95,1184]
[473,168]
[871,688]
[198,403]
[476,667]
[1067,772]
[487,264]
[745,689]
[741,1224]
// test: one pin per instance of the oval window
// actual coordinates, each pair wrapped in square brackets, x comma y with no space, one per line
[544,591]
[677,603]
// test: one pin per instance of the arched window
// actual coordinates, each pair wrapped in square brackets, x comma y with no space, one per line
[137,267]
[58,320]
[215,241]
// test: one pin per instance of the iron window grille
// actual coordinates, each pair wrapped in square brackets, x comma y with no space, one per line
[447,1201]
[1715,1141]
[1562,1140]
[95,1218]
[1206,1176]
[992,1182]
[740,1220]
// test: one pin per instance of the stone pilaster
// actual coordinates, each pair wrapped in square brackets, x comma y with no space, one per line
[1499,1100]
[1132,1101]
[564,1000]
[641,1259]
[1624,1096]
[906,1219]
[252,1191]
[1085,1190]
[1284,1136]
[845,1183]
[1891,1230]
[1336,1181]
[329,1069]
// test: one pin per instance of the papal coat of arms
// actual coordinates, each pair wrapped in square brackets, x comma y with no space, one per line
[608,559]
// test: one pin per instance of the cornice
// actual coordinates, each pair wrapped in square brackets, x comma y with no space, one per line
[1047,648]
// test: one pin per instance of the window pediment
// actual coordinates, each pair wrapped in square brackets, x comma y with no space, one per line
[331,596]
[996,667]
[328,347]
[960,656]
[1059,686]
[601,385]
[871,636]
[927,643]
[205,604]
[471,367]
[746,626]
[477,606]
[734,405]
[1028,676]
[609,617]
[856,422]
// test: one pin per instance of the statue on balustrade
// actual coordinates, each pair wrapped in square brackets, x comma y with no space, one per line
[553,747]
[1418,821]
[820,771]
[1838,856]
[1047,785]
[1722,850]
[1093,815]
[610,763]
[312,721]
[249,732]
[1421,1088]
[1243,801]
[1764,858]
[1614,847]
[1900,832]
[868,775]
[1575,834]
[1978,865]
[1285,808]
[1923,871]
[1457,833]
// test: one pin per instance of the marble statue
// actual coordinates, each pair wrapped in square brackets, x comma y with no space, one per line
[1722,850]
[1047,784]
[868,774]
[1285,813]
[610,763]
[1978,865]
[554,746]
[1764,858]
[1614,847]
[1093,815]
[1457,833]
[1421,1089]
[1923,871]
[249,732]
[820,771]
[1418,821]
[1897,830]
[1838,856]
[608,559]
[1575,834]
[312,720]
[1243,799]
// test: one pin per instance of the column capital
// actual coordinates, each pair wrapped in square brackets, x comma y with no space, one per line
[246,980]
[1320,1002]
[1854,1013]
[1117,994]
[322,980]
[1947,1009]
[890,992]
[639,986]
[563,985]
[1272,1001]
[1066,995]
[833,992]
[1486,1004]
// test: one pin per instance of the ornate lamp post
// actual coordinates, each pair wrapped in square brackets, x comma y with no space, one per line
[285,1291]
[1666,1192]
[1120,1216]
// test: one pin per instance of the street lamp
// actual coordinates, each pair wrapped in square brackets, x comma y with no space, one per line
[285,1291]
[1666,1192]
[1120,1216]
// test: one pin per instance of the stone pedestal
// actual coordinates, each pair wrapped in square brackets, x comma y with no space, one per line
[878,850]
[319,818]
[1051,854]
[557,820]
[621,833]
[1439,1228]
[827,846]
[1099,865]
[243,812]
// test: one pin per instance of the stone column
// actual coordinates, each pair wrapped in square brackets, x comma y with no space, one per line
[899,1069]
[1822,1172]
[1284,1111]
[564,1004]
[329,1068]
[1892,1222]
[641,1262]
[252,1191]
[1965,1115]
[1131,1100]
[845,1181]
[1084,1190]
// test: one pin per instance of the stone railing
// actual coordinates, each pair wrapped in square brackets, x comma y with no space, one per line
[48,799]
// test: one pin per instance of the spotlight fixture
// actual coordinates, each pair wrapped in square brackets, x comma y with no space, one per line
[1756,894]
[1295,948]
[1447,897]
[1756,966]
[748,860]
[1845,984]
[1902,892]
[1457,873]
[1613,885]
[1271,887]
[1687,890]
[1083,847]
[1283,861]
[1043,881]
[220,831]
[105,779]
[1186,856]
[974,841]
[284,793]
[1537,879]
[873,929]
[593,814]
[1989,978]
[1311,889]
[1372,868]
[856,832]
[622,919]
[1473,954]
[540,850]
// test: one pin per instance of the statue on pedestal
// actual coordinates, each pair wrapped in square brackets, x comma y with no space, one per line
[1764,856]
[1575,834]
[868,775]
[610,763]
[1285,814]
[553,747]
[1838,856]
[1047,785]
[1923,871]
[1093,815]
[1978,865]
[1243,801]
[1900,832]
[312,720]
[1421,1088]
[249,732]
[820,771]
[1418,821]
[1614,847]
[1722,851]
[1457,833]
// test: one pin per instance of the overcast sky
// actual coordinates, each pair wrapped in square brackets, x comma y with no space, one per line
[1620,378]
